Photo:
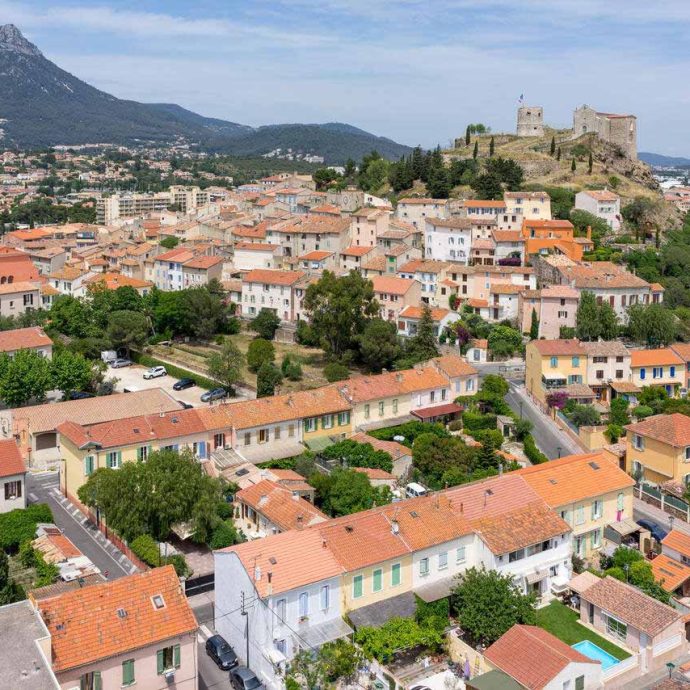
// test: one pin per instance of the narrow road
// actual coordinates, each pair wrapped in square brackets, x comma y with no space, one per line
[550,439]
[44,488]
[645,510]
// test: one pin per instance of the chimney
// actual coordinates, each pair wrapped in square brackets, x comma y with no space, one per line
[395,527]
[500,469]
[295,496]
[257,573]
[269,576]
[589,232]
[323,543]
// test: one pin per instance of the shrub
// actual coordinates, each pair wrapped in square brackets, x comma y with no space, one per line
[642,411]
[473,421]
[224,535]
[178,562]
[219,339]
[492,437]
[334,371]
[19,526]
[535,456]
[259,352]
[305,335]
[146,548]
[409,431]
[233,326]
[585,415]
[613,432]
[455,425]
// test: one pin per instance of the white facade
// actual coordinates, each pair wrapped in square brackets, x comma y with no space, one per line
[247,258]
[416,211]
[443,562]
[604,205]
[12,492]
[448,240]
[279,298]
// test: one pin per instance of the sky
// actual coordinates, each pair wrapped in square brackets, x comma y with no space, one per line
[415,71]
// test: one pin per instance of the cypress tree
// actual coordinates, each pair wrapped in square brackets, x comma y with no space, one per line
[467,136]
[558,155]
[591,163]
[534,326]
[491,148]
[553,145]
[573,165]
[475,153]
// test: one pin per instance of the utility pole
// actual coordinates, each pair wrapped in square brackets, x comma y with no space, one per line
[245,613]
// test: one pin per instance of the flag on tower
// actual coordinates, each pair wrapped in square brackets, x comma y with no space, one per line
[521,100]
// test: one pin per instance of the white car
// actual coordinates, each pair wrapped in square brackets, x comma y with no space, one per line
[155,372]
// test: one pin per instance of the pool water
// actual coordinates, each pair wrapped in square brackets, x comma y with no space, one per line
[589,649]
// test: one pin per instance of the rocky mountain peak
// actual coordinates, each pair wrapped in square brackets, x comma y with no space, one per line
[12,39]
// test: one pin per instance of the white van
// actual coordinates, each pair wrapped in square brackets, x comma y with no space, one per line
[412,490]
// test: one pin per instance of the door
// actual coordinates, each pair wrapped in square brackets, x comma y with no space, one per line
[591,614]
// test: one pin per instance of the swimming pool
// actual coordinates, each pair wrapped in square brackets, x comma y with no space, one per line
[589,649]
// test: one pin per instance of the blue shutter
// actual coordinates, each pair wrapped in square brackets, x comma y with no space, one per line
[673,371]
[643,373]
[202,449]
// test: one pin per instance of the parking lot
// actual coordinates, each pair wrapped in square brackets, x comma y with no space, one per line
[132,378]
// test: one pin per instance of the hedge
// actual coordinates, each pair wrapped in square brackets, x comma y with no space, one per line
[19,525]
[536,457]
[473,421]
[147,549]
[148,361]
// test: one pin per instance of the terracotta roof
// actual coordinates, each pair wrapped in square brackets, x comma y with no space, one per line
[374,473]
[23,338]
[477,302]
[677,541]
[606,348]
[507,236]
[424,266]
[480,203]
[272,276]
[505,289]
[452,365]
[532,656]
[624,387]
[316,255]
[555,224]
[85,626]
[113,281]
[357,251]
[178,255]
[668,573]
[326,208]
[658,357]
[393,448]
[456,223]
[68,273]
[377,263]
[421,200]
[657,287]
[673,429]
[413,312]
[548,348]
[364,388]
[481,343]
[601,195]
[559,291]
[256,246]
[575,478]
[203,262]
[11,462]
[280,506]
[601,275]
[631,606]
[392,285]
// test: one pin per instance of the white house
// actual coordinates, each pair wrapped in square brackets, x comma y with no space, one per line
[417,210]
[270,289]
[448,239]
[602,204]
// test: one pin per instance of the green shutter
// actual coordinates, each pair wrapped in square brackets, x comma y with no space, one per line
[176,656]
[128,672]
[357,586]
[378,580]
[160,660]
[97,680]
[119,458]
[395,574]
[140,453]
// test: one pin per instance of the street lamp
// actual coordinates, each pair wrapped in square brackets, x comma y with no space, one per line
[558,448]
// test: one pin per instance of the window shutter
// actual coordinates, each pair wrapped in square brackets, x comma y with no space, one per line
[128,672]
[140,454]
[119,458]
[160,660]
[150,451]
[202,449]
[97,680]
[176,656]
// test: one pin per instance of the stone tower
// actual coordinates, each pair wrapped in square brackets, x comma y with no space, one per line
[530,121]
[620,130]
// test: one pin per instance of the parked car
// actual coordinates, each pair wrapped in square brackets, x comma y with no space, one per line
[183,383]
[214,394]
[155,372]
[243,678]
[656,530]
[121,362]
[413,489]
[221,652]
[79,395]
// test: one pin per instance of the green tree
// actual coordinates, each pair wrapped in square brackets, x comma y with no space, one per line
[346,491]
[226,366]
[324,177]
[267,379]
[558,154]
[552,149]
[585,415]
[652,324]
[338,309]
[259,352]
[72,317]
[487,186]
[489,603]
[203,311]
[266,324]
[475,153]
[467,136]
[350,453]
[169,242]
[492,145]
[534,325]
[10,591]
[72,372]
[25,376]
[128,329]
[587,317]
[504,341]
[590,163]
[438,185]
[378,345]
[422,345]
[573,165]
[334,371]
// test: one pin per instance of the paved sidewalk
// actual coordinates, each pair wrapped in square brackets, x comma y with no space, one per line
[649,680]
[659,516]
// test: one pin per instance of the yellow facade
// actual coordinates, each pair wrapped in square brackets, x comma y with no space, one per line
[327,425]
[376,583]
[589,517]
[381,410]
[544,373]
[658,461]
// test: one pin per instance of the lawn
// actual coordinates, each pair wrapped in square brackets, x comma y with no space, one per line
[563,623]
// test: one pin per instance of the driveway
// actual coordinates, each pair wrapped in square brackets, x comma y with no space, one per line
[132,378]
[44,488]
[549,437]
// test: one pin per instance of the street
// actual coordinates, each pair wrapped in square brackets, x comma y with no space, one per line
[550,439]
[44,488]
[209,674]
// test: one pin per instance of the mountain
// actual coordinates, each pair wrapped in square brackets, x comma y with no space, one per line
[663,161]
[43,105]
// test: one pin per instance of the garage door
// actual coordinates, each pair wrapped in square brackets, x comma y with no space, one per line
[44,441]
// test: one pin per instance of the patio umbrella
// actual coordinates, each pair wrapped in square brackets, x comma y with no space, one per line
[466,669]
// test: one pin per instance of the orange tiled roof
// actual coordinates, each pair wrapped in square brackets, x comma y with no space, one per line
[547,348]
[392,285]
[575,478]
[393,448]
[480,203]
[374,473]
[316,255]
[414,312]
[532,656]
[658,357]
[113,281]
[11,462]
[453,366]
[203,262]
[677,541]
[23,338]
[668,573]
[673,429]
[601,195]
[272,276]
[357,251]
[422,200]
[85,626]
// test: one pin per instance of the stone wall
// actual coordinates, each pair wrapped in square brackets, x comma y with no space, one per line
[618,130]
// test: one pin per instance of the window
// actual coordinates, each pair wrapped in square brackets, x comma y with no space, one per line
[579,515]
[443,560]
[620,503]
[281,608]
[343,418]
[672,372]
[247,438]
[366,411]
[424,566]
[432,396]
[554,362]
[576,361]
[619,373]
[276,433]
[638,442]
[469,385]
[444,394]
[89,465]
[263,435]
[616,628]
[142,453]
[113,459]
[90,681]
[168,658]
[381,404]
[597,509]
[304,604]
[377,585]
[395,575]
[596,538]
[643,373]
[128,672]
[327,421]
[13,490]
[219,440]
[580,683]
[357,586]
[516,555]
[325,597]
[291,430]
[460,554]
[310,424]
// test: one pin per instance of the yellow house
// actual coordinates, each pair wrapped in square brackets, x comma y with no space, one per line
[658,449]
[324,413]
[661,368]
[377,582]
[83,449]
[552,365]
[589,491]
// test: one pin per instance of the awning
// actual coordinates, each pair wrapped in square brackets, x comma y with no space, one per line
[536,577]
[435,590]
[274,655]
[270,451]
[381,423]
[437,411]
[624,527]
[317,635]
[375,615]
[559,584]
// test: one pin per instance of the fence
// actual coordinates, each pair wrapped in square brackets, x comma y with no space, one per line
[664,646]
[199,585]
[668,503]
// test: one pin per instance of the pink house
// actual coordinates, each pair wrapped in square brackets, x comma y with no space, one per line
[136,631]
[555,306]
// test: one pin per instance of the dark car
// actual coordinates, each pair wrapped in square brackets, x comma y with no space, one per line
[221,652]
[656,530]
[215,394]
[243,678]
[80,395]
[183,383]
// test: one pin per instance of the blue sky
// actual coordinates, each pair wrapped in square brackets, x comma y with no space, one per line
[412,70]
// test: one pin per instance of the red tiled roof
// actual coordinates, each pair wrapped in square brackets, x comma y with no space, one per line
[548,348]
[392,285]
[677,541]
[270,276]
[673,429]
[23,338]
[11,462]
[658,357]
[413,312]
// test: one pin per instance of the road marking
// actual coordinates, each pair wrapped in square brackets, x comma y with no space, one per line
[33,496]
